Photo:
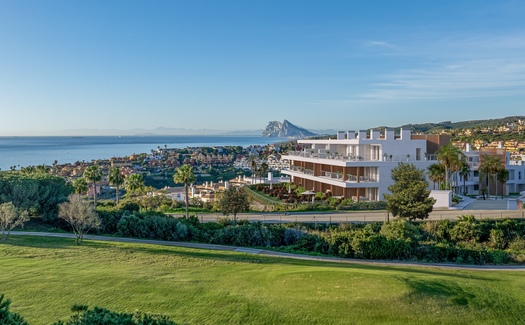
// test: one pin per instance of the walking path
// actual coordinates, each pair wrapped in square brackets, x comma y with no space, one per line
[264,252]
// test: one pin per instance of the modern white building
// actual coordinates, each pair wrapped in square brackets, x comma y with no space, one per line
[358,165]
[471,184]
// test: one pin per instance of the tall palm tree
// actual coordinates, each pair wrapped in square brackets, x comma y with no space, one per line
[434,174]
[450,157]
[117,179]
[263,169]
[502,176]
[489,168]
[186,176]
[92,175]
[464,171]
[134,183]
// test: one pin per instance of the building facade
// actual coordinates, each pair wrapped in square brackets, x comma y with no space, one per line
[358,165]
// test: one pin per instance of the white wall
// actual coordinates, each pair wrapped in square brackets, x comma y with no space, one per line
[443,198]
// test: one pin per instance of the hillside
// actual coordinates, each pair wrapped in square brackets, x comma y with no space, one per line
[448,125]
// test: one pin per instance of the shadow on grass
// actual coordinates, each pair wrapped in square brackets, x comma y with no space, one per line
[448,292]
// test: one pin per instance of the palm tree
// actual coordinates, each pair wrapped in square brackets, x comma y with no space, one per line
[464,172]
[134,183]
[263,169]
[254,168]
[185,175]
[80,185]
[450,157]
[502,176]
[436,173]
[117,179]
[92,175]
[489,168]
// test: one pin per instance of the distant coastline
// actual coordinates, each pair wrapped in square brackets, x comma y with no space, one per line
[37,150]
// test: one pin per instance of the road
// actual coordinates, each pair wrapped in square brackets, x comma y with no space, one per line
[256,251]
[360,216]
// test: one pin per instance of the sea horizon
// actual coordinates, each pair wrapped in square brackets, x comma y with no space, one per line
[22,151]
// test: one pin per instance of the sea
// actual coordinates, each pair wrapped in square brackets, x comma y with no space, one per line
[33,151]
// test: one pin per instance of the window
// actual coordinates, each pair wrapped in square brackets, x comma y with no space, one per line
[476,173]
[519,175]
[418,153]
[476,187]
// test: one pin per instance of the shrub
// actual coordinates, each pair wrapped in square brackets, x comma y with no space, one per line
[400,229]
[243,234]
[466,229]
[152,227]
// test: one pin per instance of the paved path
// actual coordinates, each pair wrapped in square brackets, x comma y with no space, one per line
[264,252]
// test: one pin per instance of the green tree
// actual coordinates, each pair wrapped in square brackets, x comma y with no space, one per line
[436,173]
[11,217]
[489,169]
[92,175]
[410,197]
[80,185]
[450,157]
[80,215]
[134,184]
[186,176]
[7,317]
[39,194]
[464,172]
[85,316]
[234,201]
[502,175]
[117,179]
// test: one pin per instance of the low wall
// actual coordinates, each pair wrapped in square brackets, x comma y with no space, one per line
[443,198]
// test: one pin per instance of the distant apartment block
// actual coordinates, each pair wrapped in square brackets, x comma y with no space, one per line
[358,165]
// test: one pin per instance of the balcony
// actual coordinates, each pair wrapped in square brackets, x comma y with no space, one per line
[344,158]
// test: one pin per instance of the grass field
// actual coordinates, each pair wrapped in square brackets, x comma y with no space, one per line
[44,276]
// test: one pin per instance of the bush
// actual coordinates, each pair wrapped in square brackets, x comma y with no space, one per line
[152,227]
[400,229]
[243,234]
[467,229]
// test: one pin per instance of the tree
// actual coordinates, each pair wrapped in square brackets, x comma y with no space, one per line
[116,178]
[489,168]
[134,183]
[39,194]
[436,173]
[464,172]
[450,157]
[234,201]
[97,315]
[186,176]
[11,217]
[410,197]
[502,176]
[263,170]
[7,317]
[80,215]
[92,175]
[80,185]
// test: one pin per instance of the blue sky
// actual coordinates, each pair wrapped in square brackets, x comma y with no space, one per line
[235,65]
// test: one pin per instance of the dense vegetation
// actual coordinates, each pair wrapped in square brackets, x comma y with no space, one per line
[44,276]
[464,241]
[37,193]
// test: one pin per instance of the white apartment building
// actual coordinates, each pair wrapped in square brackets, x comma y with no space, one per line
[471,185]
[358,165]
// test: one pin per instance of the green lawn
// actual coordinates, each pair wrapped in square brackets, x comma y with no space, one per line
[44,276]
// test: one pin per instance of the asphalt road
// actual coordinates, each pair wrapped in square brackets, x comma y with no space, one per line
[360,216]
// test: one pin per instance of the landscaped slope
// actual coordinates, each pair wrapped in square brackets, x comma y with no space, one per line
[44,276]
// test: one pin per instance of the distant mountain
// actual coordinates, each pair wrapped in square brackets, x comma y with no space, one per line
[448,125]
[285,130]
